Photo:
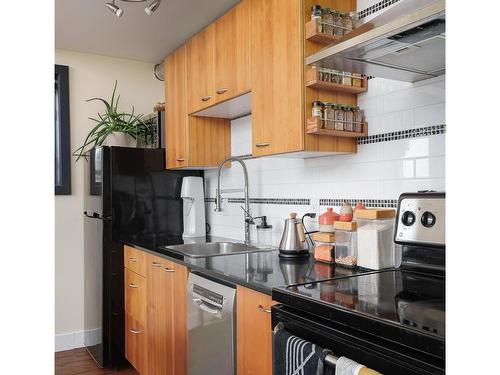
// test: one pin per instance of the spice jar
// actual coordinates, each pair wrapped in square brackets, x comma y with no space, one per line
[337,24]
[317,109]
[358,119]
[339,117]
[326,75]
[336,77]
[316,12]
[329,113]
[356,79]
[327,21]
[348,118]
[346,79]
[347,23]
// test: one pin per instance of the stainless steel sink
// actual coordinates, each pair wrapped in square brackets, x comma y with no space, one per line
[204,250]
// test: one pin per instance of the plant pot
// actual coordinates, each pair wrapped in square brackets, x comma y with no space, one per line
[119,139]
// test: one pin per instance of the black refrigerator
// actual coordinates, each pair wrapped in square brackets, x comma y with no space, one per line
[129,198]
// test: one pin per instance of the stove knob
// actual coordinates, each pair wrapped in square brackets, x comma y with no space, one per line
[428,219]
[408,218]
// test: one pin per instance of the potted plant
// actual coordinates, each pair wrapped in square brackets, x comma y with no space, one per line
[113,127]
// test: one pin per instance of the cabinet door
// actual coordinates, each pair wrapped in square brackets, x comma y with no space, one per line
[177,122]
[276,63]
[200,70]
[160,279]
[135,344]
[135,296]
[232,49]
[254,339]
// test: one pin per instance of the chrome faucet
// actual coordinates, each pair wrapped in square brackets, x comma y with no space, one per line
[219,191]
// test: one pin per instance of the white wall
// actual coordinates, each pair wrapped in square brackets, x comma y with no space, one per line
[89,76]
[381,170]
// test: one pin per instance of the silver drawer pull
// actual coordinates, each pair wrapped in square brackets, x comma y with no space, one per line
[169,269]
[135,332]
[181,159]
[133,286]
[263,309]
[156,264]
[206,98]
[132,260]
[221,91]
[262,144]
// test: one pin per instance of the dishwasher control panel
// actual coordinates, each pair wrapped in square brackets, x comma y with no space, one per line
[208,295]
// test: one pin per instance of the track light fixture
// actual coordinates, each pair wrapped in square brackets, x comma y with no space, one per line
[118,12]
[151,8]
[115,9]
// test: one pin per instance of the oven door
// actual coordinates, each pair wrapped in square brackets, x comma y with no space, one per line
[371,351]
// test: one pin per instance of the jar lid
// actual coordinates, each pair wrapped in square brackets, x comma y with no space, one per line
[317,102]
[315,7]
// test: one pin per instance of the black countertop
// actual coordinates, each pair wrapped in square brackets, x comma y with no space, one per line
[261,271]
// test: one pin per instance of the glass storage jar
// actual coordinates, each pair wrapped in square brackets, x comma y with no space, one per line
[375,242]
[346,251]
[357,79]
[316,12]
[337,24]
[346,23]
[339,118]
[317,109]
[324,252]
[336,76]
[346,79]
[329,116]
[327,21]
[358,119]
[348,118]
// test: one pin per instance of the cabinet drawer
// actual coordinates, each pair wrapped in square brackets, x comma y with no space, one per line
[135,260]
[154,261]
[135,296]
[135,344]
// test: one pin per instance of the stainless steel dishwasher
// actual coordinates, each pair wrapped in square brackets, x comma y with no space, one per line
[211,327]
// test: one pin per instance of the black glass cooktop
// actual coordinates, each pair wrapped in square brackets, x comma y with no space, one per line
[404,306]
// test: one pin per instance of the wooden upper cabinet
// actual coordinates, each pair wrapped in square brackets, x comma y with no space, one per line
[177,121]
[277,63]
[200,70]
[232,49]
[254,338]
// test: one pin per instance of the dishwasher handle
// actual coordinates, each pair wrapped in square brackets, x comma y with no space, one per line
[206,307]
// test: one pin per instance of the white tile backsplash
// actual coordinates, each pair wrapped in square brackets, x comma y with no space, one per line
[380,170]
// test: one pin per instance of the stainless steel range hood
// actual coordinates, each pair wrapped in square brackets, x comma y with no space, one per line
[405,43]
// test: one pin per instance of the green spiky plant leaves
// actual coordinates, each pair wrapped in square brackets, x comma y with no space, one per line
[114,121]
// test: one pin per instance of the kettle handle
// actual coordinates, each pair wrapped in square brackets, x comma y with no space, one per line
[301,232]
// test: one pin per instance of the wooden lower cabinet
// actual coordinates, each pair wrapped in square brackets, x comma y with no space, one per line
[254,333]
[136,344]
[155,309]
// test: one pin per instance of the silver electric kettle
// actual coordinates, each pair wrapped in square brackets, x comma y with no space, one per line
[293,243]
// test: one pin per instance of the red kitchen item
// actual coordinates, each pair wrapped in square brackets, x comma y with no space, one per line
[327,219]
[346,212]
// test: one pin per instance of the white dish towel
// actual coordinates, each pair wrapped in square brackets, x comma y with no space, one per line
[346,366]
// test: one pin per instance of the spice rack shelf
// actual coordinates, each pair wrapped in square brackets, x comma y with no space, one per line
[314,126]
[312,81]
[313,35]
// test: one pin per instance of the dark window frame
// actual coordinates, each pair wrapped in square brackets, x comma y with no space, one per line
[61,132]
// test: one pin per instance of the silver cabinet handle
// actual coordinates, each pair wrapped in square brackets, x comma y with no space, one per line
[221,91]
[133,286]
[135,332]
[181,159]
[169,269]
[156,264]
[262,144]
[132,260]
[206,98]
[263,309]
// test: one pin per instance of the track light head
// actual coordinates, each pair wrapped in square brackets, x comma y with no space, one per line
[151,8]
[116,10]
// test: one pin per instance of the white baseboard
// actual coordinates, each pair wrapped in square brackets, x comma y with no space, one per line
[68,341]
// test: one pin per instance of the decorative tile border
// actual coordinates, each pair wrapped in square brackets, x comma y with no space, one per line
[375,8]
[382,203]
[403,134]
[281,201]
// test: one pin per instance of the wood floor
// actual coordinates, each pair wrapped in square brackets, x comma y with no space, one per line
[78,361]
